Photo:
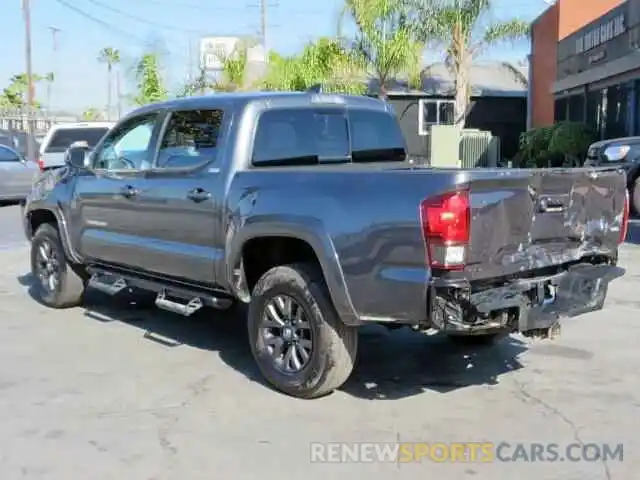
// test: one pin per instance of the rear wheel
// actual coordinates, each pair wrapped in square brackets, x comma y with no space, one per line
[300,344]
[59,283]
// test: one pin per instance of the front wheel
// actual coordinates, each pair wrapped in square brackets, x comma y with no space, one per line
[58,283]
[300,344]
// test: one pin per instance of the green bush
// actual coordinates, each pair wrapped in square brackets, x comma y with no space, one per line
[562,144]
[534,146]
[571,140]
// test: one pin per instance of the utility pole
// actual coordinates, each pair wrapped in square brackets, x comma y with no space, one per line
[26,13]
[54,44]
[189,60]
[118,94]
[263,25]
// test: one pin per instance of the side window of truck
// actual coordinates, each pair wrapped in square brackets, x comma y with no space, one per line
[190,139]
[302,134]
[127,147]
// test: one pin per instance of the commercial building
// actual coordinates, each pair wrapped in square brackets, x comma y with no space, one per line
[585,65]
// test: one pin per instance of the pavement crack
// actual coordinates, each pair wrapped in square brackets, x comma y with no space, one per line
[557,413]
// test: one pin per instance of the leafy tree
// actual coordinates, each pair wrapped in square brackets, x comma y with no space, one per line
[234,68]
[200,84]
[111,57]
[385,43]
[149,80]
[14,95]
[327,62]
[465,30]
[92,114]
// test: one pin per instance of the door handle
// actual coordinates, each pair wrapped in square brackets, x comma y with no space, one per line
[549,205]
[129,191]
[198,195]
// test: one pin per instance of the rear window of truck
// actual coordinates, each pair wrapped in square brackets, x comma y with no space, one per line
[64,137]
[306,136]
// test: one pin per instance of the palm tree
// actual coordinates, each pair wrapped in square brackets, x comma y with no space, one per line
[385,43]
[111,57]
[465,30]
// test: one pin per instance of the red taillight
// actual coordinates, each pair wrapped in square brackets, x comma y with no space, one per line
[40,162]
[624,224]
[446,223]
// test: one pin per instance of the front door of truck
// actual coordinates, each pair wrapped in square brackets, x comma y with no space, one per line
[104,208]
[182,199]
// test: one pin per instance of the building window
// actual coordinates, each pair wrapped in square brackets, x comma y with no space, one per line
[595,106]
[616,112]
[560,109]
[576,108]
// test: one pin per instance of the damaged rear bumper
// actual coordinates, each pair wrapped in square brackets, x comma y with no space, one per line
[523,304]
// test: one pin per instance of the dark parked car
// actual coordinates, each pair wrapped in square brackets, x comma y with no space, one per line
[623,153]
[304,207]
[17,141]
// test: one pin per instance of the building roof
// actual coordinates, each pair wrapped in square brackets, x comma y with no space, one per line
[487,79]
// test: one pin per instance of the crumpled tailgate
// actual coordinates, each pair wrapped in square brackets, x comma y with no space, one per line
[530,219]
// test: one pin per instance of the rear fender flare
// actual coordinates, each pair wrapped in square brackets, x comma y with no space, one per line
[320,242]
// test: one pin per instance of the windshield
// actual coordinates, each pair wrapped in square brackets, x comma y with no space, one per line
[64,137]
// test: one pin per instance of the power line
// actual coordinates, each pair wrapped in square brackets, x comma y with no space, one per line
[142,20]
[106,25]
[222,9]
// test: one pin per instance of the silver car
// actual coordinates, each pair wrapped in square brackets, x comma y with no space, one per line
[16,175]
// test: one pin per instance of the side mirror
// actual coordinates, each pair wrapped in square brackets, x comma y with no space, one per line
[77,155]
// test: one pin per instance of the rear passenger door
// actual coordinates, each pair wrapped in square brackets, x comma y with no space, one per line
[181,199]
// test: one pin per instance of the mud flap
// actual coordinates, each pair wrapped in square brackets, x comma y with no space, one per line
[581,290]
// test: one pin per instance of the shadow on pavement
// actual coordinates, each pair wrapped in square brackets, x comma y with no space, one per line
[391,364]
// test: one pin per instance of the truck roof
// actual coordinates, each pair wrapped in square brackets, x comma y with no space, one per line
[239,99]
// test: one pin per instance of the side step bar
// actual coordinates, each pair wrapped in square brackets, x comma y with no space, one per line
[184,309]
[184,300]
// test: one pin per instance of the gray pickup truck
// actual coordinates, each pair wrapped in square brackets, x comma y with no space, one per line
[305,207]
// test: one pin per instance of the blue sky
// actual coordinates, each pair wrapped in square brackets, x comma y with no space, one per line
[173,25]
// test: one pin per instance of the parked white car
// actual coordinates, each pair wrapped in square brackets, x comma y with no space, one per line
[60,137]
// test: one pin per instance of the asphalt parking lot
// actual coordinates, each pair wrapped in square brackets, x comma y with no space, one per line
[109,391]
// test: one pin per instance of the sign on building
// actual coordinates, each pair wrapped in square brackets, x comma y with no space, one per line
[600,34]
